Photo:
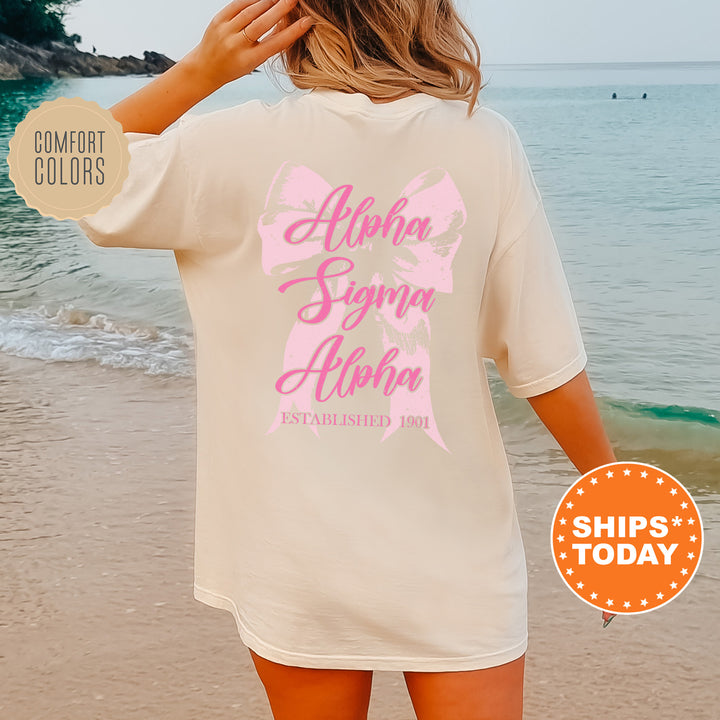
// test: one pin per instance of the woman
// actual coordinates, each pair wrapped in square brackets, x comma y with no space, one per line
[349,256]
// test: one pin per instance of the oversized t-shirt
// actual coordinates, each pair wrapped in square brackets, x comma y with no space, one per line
[347,266]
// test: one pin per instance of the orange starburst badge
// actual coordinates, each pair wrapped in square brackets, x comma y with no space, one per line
[627,538]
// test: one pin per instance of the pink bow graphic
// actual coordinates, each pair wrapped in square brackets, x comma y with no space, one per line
[298,193]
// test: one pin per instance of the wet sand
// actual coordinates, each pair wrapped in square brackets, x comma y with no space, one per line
[98,618]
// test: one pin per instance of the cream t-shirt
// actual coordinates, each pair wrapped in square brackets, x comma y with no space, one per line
[347,265]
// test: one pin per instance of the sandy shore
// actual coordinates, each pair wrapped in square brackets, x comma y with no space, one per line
[98,618]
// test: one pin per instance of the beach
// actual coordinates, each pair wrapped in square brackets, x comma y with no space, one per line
[97,421]
[99,619]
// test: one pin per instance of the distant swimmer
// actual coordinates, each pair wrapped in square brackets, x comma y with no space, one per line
[644,96]
[614,96]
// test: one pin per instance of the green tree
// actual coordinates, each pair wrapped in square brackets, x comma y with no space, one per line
[32,21]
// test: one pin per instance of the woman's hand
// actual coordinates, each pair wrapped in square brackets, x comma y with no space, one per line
[607,617]
[230,49]
[224,54]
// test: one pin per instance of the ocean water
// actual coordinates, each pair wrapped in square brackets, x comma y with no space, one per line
[631,187]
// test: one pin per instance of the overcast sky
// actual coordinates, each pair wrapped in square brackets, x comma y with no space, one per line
[508,31]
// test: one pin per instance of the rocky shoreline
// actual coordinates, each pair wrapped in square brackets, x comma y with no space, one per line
[53,59]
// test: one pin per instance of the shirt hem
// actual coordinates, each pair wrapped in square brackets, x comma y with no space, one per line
[89,231]
[551,382]
[355,662]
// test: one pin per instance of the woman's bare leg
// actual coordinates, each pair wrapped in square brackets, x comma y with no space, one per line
[490,694]
[297,693]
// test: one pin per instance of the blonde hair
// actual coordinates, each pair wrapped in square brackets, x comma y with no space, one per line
[384,48]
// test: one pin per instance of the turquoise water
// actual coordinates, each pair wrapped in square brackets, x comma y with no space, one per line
[631,187]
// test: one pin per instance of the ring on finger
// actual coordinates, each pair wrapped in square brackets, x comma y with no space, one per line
[243,31]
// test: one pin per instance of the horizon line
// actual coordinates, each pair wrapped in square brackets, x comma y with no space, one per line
[604,62]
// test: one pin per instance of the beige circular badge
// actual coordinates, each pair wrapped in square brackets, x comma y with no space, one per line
[68,158]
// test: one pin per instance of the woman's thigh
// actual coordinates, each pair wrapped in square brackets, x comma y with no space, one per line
[297,693]
[489,694]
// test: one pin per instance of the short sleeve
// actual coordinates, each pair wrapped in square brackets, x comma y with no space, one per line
[527,322]
[155,209]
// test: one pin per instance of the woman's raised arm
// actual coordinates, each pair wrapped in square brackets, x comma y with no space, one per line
[225,53]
